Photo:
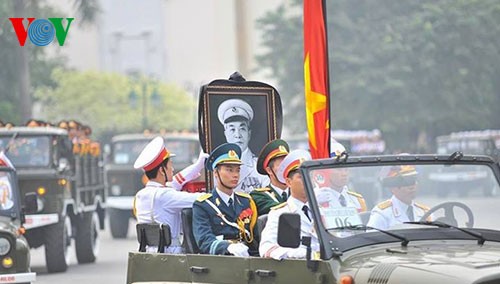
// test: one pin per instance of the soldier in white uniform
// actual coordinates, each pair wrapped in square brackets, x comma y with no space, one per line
[297,203]
[332,183]
[156,202]
[401,207]
[236,116]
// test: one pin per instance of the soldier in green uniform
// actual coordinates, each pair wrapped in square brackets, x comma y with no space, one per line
[268,162]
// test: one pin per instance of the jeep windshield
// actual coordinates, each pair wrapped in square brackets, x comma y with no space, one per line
[8,196]
[27,151]
[460,191]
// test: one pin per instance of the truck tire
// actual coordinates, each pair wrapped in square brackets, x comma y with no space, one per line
[57,243]
[118,222]
[87,238]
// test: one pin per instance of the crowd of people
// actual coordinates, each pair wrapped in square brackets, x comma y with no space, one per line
[224,220]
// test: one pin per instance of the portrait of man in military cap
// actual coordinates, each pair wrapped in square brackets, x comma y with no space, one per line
[245,113]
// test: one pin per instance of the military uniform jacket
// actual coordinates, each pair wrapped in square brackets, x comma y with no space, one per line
[265,198]
[213,231]
[250,179]
[328,197]
[269,236]
[157,203]
[393,212]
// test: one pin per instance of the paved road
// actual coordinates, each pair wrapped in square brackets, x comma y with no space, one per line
[110,267]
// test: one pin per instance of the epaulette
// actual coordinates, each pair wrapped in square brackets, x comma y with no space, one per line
[204,197]
[242,194]
[262,189]
[354,194]
[423,207]
[385,204]
[278,206]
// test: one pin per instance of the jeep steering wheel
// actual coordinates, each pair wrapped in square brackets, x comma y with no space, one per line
[449,215]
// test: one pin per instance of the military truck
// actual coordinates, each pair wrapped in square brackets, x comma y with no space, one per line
[451,240]
[14,248]
[68,180]
[123,181]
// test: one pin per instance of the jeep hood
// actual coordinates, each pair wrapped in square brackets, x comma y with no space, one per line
[444,263]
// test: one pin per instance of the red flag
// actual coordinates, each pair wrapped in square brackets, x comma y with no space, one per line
[316,79]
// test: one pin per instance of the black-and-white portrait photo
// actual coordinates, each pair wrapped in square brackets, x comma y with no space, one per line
[244,116]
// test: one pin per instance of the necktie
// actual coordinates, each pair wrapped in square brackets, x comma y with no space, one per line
[230,204]
[342,201]
[409,213]
[306,211]
[284,196]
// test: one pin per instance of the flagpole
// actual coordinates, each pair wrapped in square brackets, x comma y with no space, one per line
[328,94]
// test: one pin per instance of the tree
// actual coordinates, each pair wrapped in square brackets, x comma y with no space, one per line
[405,67]
[102,101]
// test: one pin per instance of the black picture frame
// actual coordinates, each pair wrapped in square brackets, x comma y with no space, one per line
[264,100]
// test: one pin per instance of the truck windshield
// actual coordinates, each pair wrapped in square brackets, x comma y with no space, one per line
[126,152]
[471,147]
[27,151]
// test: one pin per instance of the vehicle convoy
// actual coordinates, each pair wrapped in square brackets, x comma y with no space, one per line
[14,248]
[123,181]
[441,240]
[68,181]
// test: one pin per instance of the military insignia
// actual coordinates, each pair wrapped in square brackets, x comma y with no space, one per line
[234,109]
[320,179]
[204,197]
[385,204]
[242,194]
[232,154]
[423,207]
[217,201]
[354,194]
[262,189]
[282,148]
[278,206]
[246,215]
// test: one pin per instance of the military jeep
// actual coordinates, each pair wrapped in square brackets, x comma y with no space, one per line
[68,179]
[452,240]
[14,248]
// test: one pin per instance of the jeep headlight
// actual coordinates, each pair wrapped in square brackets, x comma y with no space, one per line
[116,190]
[4,246]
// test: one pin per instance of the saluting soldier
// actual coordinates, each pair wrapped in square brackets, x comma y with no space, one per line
[333,190]
[269,160]
[402,182]
[236,116]
[288,173]
[156,202]
[224,220]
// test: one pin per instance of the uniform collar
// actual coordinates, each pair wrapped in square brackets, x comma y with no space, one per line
[295,204]
[342,192]
[278,190]
[399,206]
[154,184]
[224,196]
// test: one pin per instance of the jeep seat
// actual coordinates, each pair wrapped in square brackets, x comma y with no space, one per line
[189,242]
[153,235]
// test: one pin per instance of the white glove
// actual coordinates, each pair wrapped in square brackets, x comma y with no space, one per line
[238,249]
[297,253]
[323,194]
[189,173]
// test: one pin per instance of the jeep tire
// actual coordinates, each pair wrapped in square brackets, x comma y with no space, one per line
[118,222]
[87,237]
[57,243]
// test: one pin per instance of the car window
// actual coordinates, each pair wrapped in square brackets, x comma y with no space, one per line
[28,151]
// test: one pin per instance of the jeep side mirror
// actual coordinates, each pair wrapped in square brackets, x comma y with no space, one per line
[289,230]
[30,203]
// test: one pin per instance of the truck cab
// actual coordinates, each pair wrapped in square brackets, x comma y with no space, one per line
[67,178]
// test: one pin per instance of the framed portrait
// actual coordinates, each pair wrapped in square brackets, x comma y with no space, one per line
[247,113]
